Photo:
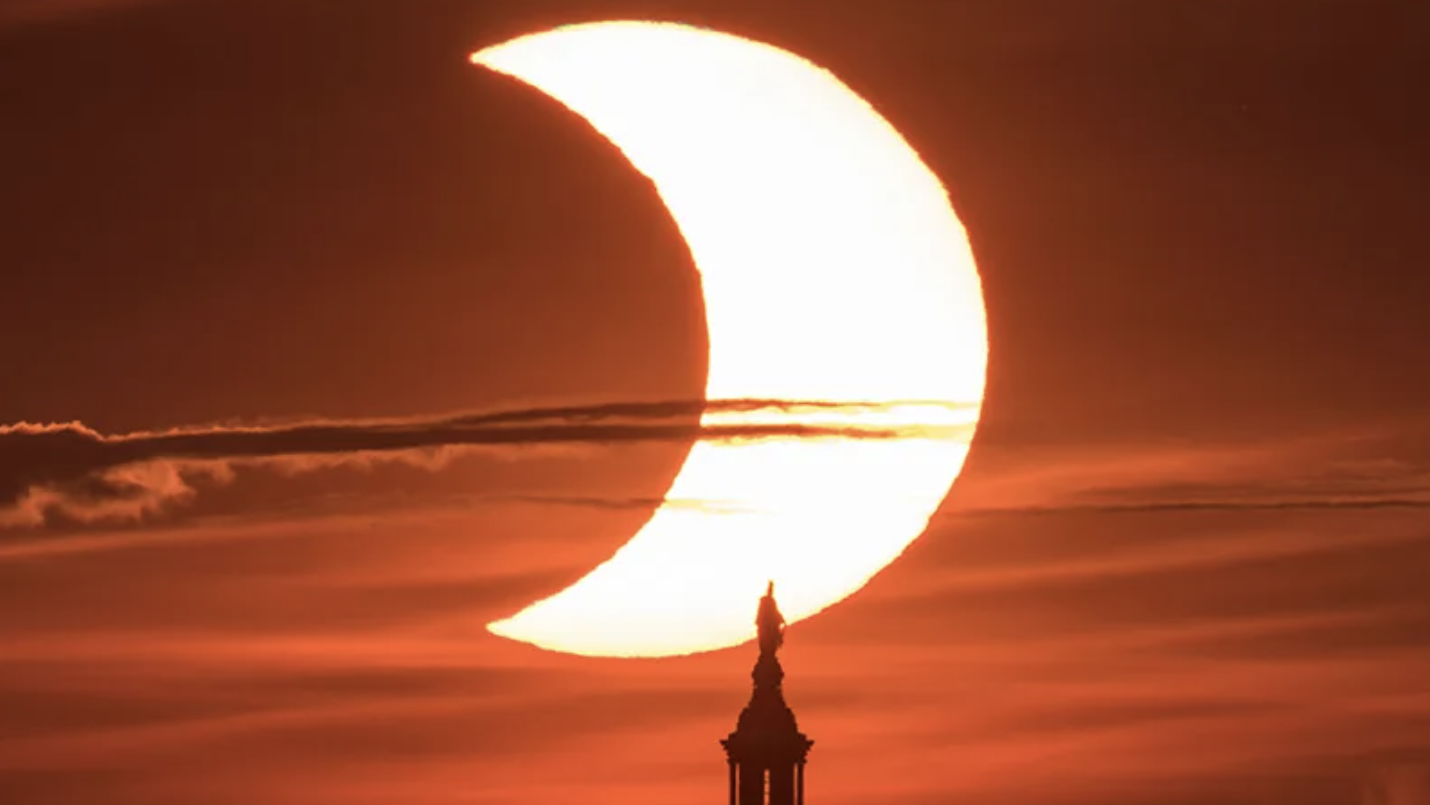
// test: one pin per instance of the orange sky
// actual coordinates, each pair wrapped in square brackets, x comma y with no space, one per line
[1185,562]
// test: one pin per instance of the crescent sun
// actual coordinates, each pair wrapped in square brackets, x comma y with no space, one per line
[833,268]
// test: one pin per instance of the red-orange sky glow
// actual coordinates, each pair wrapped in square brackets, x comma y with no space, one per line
[1185,561]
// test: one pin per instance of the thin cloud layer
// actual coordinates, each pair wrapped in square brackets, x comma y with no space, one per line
[28,12]
[77,472]
[1236,657]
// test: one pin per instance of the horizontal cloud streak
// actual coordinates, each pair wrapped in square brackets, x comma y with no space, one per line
[1298,504]
[80,473]
[30,12]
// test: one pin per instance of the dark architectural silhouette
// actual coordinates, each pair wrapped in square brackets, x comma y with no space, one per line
[767,752]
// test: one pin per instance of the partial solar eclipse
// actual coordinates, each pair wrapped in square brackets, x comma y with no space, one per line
[833,269]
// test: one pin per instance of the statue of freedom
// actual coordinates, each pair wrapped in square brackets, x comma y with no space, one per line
[770,622]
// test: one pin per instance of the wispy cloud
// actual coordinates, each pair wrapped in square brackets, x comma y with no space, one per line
[1403,783]
[1366,470]
[77,472]
[26,12]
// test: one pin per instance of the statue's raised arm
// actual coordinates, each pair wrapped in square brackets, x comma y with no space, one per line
[770,622]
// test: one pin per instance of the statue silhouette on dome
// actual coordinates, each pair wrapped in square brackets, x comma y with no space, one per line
[766,753]
[770,622]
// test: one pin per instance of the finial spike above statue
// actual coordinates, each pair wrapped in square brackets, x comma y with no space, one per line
[770,622]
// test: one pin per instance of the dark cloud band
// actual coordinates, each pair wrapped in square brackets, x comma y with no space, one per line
[78,471]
